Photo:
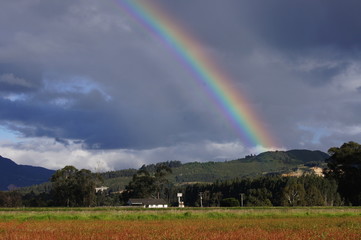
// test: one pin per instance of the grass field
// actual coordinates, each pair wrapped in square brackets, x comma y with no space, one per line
[215,223]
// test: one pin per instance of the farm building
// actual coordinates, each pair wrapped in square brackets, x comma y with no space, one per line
[101,189]
[148,203]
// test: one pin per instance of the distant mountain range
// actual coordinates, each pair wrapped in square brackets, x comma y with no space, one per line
[13,175]
[276,162]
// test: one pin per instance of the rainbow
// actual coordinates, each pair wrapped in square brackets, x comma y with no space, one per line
[204,69]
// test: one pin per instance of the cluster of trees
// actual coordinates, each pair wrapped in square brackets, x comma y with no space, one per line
[340,186]
[73,187]
[309,190]
[344,166]
[10,199]
[70,187]
[146,184]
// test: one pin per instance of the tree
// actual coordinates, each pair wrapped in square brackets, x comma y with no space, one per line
[314,197]
[72,187]
[145,185]
[86,183]
[259,197]
[294,193]
[229,202]
[344,165]
[10,199]
[37,200]
[142,185]
[160,181]
[329,191]
[320,191]
[64,186]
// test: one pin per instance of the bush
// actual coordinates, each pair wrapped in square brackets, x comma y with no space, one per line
[229,202]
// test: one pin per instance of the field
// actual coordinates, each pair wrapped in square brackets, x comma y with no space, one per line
[190,223]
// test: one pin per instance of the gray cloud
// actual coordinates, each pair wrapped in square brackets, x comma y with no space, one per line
[300,24]
[85,71]
[39,152]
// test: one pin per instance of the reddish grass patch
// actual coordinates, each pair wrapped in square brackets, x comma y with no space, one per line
[337,228]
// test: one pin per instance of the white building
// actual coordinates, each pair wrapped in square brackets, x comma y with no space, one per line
[101,189]
[148,203]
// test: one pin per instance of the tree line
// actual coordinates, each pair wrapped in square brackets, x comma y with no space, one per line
[76,188]
[308,190]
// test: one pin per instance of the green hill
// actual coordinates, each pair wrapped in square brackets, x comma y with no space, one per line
[250,166]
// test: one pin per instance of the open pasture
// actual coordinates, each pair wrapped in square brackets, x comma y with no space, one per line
[256,223]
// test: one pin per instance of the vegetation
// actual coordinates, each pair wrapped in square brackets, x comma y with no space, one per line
[229,202]
[306,204]
[131,213]
[290,228]
[277,162]
[308,190]
[208,172]
[255,223]
[76,188]
[73,187]
[10,199]
[145,185]
[344,165]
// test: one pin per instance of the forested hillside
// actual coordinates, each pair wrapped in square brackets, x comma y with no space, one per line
[252,181]
[276,162]
[267,163]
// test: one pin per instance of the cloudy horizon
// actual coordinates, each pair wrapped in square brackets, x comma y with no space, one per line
[84,84]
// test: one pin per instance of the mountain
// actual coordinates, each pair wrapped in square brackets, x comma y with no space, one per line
[14,175]
[275,162]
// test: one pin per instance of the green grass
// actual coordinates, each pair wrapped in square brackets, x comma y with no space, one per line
[41,214]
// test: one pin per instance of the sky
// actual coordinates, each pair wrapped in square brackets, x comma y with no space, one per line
[84,83]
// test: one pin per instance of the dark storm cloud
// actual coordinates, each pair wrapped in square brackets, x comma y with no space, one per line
[135,100]
[15,78]
[321,75]
[290,25]
[76,111]
[85,71]
[296,30]
[307,24]
[10,83]
[40,119]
